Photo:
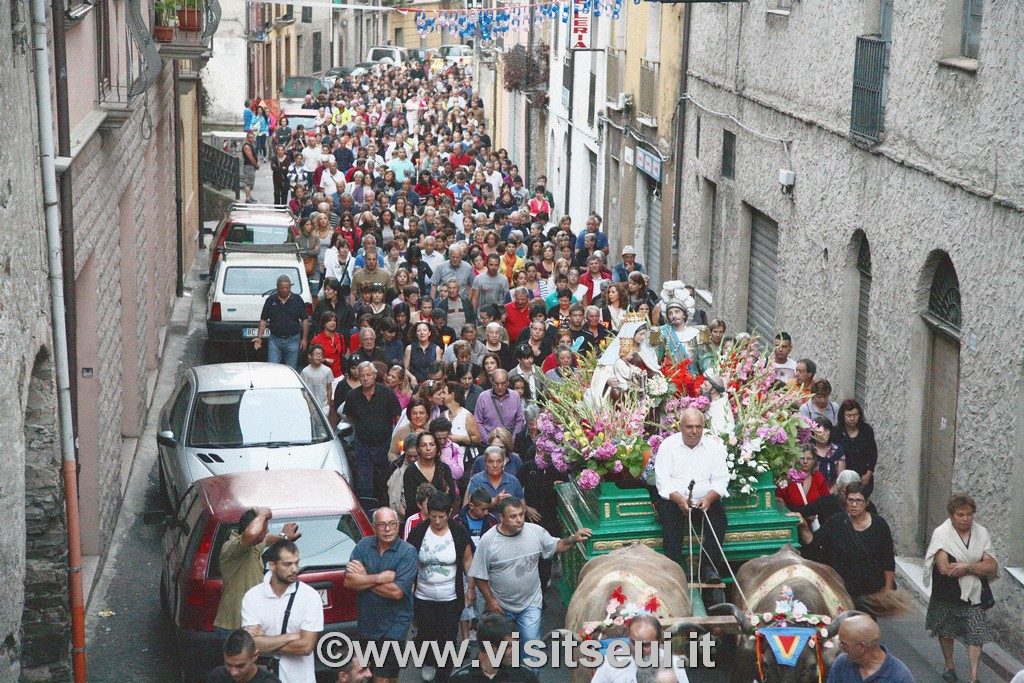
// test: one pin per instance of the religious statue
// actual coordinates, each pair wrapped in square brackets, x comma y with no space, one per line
[629,360]
[678,340]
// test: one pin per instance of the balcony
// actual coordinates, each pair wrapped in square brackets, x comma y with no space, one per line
[647,102]
[128,64]
[867,112]
[184,28]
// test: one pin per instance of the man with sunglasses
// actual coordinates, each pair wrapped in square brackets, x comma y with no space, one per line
[382,570]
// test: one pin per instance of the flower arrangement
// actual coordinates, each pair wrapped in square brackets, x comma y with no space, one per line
[592,441]
[620,612]
[686,383]
[769,429]
[792,612]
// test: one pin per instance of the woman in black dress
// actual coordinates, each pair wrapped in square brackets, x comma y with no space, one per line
[856,439]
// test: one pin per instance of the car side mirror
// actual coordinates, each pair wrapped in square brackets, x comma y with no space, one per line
[344,430]
[166,438]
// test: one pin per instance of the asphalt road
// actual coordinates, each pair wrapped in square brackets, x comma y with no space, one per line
[130,639]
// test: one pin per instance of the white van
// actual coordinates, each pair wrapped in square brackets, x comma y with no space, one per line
[378,53]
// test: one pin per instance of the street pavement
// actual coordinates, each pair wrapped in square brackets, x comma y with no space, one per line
[130,639]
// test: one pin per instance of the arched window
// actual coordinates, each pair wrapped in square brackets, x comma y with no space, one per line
[944,298]
[863,299]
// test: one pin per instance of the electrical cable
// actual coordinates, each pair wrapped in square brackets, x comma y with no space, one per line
[785,142]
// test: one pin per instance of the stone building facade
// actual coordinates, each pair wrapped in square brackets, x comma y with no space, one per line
[34,616]
[897,257]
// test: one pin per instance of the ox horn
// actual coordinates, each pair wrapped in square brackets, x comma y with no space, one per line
[833,628]
[687,627]
[727,608]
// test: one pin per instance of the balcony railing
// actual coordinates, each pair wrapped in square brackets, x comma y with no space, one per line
[219,168]
[613,79]
[869,71]
[184,28]
[128,64]
[647,101]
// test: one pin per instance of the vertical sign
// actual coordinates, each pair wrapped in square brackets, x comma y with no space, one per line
[580,25]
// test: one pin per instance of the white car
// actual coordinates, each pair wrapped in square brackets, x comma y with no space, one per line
[238,417]
[380,53]
[244,277]
[461,55]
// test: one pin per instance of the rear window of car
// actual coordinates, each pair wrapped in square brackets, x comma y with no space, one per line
[326,542]
[259,280]
[296,86]
[379,53]
[238,419]
[246,233]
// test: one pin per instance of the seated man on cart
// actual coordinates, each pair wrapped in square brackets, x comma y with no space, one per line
[691,478]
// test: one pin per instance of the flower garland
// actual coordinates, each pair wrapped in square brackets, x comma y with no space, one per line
[619,613]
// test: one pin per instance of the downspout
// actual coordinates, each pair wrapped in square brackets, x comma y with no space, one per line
[51,207]
[677,207]
[569,126]
[179,246]
[528,146]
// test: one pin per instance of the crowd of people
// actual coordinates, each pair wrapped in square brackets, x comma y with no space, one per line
[453,294]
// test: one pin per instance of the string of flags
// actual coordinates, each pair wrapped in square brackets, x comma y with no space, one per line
[487,23]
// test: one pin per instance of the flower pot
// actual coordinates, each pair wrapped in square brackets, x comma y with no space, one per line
[163,34]
[189,19]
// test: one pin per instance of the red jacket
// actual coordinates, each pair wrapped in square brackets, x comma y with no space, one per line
[515,320]
[587,280]
[334,350]
[458,160]
[790,495]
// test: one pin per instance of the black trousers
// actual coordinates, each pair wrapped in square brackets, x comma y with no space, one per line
[675,529]
[281,192]
[437,621]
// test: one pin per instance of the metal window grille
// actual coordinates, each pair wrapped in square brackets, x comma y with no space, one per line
[863,320]
[728,154]
[318,57]
[866,113]
[648,100]
[970,36]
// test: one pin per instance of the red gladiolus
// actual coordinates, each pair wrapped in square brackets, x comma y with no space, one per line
[618,596]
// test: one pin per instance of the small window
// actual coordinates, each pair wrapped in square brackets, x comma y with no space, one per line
[728,154]
[318,57]
[307,15]
[696,138]
[970,36]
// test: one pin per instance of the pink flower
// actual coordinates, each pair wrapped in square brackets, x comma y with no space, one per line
[588,479]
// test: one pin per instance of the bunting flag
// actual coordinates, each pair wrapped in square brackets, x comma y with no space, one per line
[787,642]
[488,23]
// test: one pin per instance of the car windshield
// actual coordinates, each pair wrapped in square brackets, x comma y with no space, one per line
[296,120]
[259,280]
[259,234]
[239,419]
[326,542]
[296,86]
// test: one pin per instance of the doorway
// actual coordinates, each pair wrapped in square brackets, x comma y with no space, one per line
[942,383]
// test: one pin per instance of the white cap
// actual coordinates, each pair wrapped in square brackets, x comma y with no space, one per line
[628,249]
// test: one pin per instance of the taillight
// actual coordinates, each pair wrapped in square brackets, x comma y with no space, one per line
[215,311]
[309,309]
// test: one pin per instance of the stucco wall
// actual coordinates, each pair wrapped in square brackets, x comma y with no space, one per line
[33,606]
[225,75]
[907,211]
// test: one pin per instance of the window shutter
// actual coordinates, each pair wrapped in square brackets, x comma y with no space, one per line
[764,250]
[971,36]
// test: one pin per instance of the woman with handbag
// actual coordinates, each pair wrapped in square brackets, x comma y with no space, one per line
[959,563]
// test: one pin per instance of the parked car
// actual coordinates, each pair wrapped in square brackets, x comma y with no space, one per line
[236,417]
[320,502]
[298,116]
[293,92]
[379,53]
[419,54]
[461,55]
[252,224]
[245,276]
[335,72]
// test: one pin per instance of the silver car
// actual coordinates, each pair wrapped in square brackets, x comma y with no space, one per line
[235,417]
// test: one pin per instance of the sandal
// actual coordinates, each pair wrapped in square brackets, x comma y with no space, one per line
[949,675]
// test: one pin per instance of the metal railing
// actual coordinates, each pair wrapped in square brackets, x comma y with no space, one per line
[185,28]
[613,73]
[647,100]
[868,107]
[219,168]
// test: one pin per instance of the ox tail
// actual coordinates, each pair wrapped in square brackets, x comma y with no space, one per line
[886,603]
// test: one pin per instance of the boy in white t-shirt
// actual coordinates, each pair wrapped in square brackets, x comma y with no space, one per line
[319,378]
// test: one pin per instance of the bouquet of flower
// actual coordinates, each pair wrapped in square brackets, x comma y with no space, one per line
[769,428]
[686,384]
[592,441]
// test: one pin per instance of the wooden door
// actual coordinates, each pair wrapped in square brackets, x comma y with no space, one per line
[939,430]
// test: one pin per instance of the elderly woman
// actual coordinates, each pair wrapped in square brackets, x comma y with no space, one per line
[563,365]
[827,506]
[495,479]
[857,544]
[503,438]
[494,344]
[959,563]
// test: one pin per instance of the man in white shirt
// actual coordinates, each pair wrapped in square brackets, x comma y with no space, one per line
[430,255]
[284,615]
[332,179]
[645,633]
[785,367]
[311,154]
[698,459]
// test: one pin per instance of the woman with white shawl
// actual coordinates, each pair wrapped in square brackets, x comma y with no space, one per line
[959,562]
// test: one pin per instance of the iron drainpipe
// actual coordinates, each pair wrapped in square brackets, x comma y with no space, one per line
[51,207]
[528,157]
[179,273]
[684,66]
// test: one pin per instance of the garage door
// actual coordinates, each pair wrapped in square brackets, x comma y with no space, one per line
[764,248]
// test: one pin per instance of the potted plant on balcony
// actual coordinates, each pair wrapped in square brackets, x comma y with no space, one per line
[190,16]
[163,27]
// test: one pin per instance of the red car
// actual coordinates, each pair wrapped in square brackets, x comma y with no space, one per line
[253,224]
[330,520]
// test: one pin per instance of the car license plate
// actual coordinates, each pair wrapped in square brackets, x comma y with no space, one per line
[251,332]
[323,596]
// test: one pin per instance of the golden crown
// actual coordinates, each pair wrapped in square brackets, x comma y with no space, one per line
[635,317]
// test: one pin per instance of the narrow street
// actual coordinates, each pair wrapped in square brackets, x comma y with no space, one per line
[129,637]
